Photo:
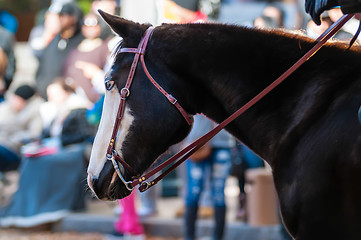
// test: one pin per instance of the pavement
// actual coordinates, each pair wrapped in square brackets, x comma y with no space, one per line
[168,228]
[100,217]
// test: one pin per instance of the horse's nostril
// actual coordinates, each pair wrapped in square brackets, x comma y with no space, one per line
[103,185]
[96,187]
[93,181]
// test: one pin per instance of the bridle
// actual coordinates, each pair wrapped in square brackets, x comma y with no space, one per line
[139,52]
[184,154]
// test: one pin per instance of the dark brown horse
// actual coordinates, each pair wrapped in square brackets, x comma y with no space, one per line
[306,129]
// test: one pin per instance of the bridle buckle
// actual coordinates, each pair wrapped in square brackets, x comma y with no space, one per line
[124,93]
[172,99]
[144,186]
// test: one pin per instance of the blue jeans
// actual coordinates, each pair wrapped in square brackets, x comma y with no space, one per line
[218,165]
[8,159]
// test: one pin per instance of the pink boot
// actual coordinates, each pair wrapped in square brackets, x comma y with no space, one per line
[128,222]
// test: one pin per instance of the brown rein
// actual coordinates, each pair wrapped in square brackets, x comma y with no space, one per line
[184,154]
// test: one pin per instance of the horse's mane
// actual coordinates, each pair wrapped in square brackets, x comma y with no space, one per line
[270,34]
[227,33]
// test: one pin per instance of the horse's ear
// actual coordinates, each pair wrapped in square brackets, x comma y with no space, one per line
[119,25]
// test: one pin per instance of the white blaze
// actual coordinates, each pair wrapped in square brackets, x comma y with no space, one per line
[102,138]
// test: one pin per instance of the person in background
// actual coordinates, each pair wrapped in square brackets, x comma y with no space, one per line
[8,21]
[244,159]
[91,50]
[61,100]
[7,46]
[183,12]
[108,6]
[42,34]
[192,10]
[53,57]
[44,195]
[3,66]
[265,22]
[214,157]
[272,17]
[128,223]
[20,122]
[275,13]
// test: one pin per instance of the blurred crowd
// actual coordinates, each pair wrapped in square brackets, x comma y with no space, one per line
[47,125]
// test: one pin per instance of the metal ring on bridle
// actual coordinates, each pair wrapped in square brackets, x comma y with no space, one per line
[126,94]
[127,184]
[144,186]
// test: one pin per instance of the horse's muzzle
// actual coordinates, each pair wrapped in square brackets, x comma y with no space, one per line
[107,185]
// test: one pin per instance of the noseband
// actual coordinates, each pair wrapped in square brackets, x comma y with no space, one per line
[112,154]
[184,154]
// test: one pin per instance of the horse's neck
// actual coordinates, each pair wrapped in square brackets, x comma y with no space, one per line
[233,70]
[231,76]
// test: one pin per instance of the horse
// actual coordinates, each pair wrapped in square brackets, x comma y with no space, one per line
[306,129]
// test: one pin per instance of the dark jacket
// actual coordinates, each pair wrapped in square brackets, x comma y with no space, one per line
[52,60]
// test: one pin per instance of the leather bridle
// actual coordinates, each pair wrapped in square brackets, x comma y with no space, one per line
[139,52]
[184,154]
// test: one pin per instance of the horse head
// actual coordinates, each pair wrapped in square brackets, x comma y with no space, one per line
[145,132]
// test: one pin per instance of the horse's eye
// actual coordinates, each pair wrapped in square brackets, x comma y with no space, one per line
[109,84]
